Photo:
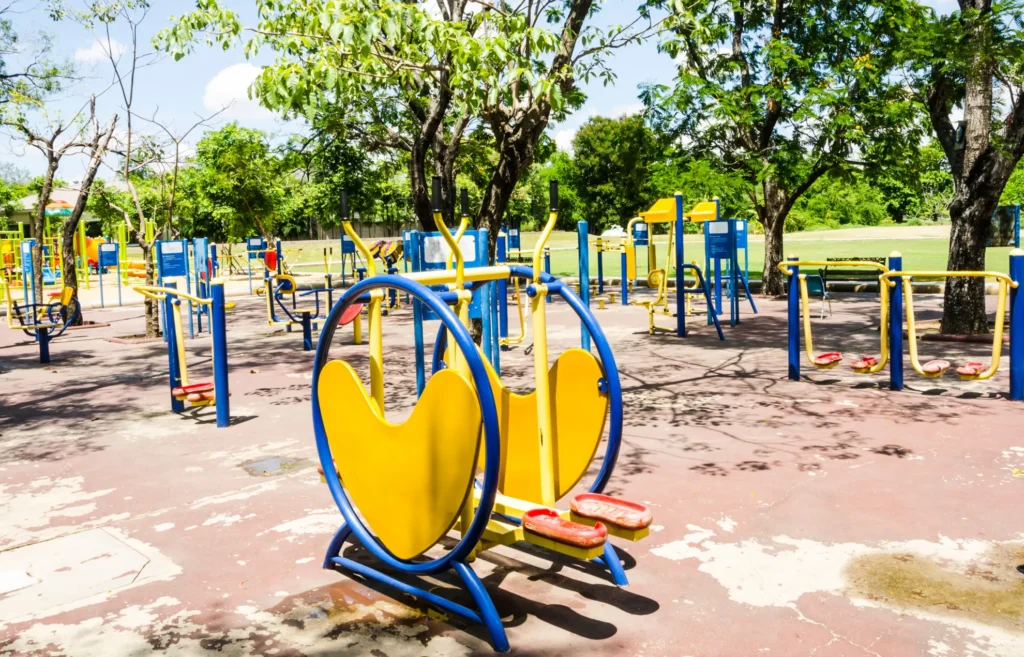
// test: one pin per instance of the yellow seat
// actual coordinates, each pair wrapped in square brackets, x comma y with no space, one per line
[656,279]
[409,481]
[578,409]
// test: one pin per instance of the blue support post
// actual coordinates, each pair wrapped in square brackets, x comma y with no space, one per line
[793,321]
[174,374]
[895,327]
[218,328]
[623,281]
[1016,327]
[680,272]
[277,250]
[43,335]
[584,249]
[500,256]
[417,318]
[495,340]
[307,332]
[734,298]
[600,268]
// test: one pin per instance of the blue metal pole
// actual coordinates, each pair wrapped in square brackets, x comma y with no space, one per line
[793,319]
[43,335]
[174,374]
[584,248]
[495,341]
[417,318]
[1016,327]
[218,327]
[624,283]
[600,268]
[188,289]
[307,332]
[895,327]
[277,250]
[712,317]
[500,256]
[486,326]
[680,272]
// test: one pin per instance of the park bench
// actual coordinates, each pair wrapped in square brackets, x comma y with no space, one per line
[831,274]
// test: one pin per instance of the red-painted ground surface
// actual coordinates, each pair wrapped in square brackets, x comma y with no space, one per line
[127,530]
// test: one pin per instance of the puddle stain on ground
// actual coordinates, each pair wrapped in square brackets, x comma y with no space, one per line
[989,591]
[274,465]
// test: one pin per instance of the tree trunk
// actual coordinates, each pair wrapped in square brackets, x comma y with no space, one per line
[67,258]
[39,226]
[496,197]
[964,299]
[772,215]
[418,188]
[152,306]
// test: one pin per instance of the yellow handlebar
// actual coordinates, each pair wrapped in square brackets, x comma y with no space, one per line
[538,250]
[1002,278]
[160,293]
[784,266]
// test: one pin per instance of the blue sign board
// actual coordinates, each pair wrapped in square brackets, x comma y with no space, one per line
[26,256]
[431,252]
[641,235]
[171,258]
[719,239]
[347,245]
[741,233]
[513,239]
[255,246]
[108,255]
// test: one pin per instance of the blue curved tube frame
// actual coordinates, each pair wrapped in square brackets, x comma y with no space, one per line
[455,558]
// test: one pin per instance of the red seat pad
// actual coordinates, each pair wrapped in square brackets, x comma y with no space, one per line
[612,510]
[864,362]
[350,314]
[935,366]
[193,388]
[971,369]
[549,524]
[827,358]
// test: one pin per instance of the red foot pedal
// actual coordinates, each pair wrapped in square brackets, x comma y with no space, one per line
[971,369]
[935,367]
[864,363]
[549,524]
[181,391]
[350,314]
[612,510]
[828,359]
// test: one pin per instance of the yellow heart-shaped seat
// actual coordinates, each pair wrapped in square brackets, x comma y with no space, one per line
[409,481]
[578,412]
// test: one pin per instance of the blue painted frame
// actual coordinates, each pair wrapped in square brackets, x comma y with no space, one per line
[455,559]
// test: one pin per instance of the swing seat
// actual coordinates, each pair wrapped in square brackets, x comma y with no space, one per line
[611,510]
[547,523]
[827,360]
[971,370]
[935,368]
[864,364]
[350,314]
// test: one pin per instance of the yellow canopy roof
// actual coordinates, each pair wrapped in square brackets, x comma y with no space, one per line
[664,211]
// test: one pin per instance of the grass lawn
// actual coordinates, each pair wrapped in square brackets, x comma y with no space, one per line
[919,252]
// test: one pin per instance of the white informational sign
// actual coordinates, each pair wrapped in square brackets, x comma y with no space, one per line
[108,247]
[718,227]
[513,232]
[171,247]
[255,243]
[739,225]
[640,228]
[436,251]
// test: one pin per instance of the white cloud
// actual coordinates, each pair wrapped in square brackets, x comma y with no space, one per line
[563,138]
[230,89]
[626,110]
[99,51]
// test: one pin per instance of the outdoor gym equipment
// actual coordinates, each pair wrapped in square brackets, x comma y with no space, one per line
[42,322]
[896,285]
[402,487]
[900,283]
[282,286]
[668,211]
[183,390]
[798,300]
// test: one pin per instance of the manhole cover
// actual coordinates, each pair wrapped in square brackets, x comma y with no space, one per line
[274,465]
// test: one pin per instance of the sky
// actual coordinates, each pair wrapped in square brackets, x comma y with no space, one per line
[211,79]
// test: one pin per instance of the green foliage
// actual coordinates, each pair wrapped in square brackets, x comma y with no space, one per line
[611,169]
[235,187]
[838,201]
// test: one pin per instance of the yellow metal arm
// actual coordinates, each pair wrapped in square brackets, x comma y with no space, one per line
[160,293]
[784,267]
[538,249]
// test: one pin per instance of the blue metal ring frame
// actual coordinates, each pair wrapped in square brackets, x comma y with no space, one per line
[492,436]
[604,350]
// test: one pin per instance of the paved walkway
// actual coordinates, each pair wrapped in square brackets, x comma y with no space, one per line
[828,517]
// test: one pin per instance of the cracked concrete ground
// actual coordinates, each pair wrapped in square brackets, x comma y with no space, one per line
[829,517]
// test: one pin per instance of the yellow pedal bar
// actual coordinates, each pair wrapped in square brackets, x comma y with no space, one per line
[1005,283]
